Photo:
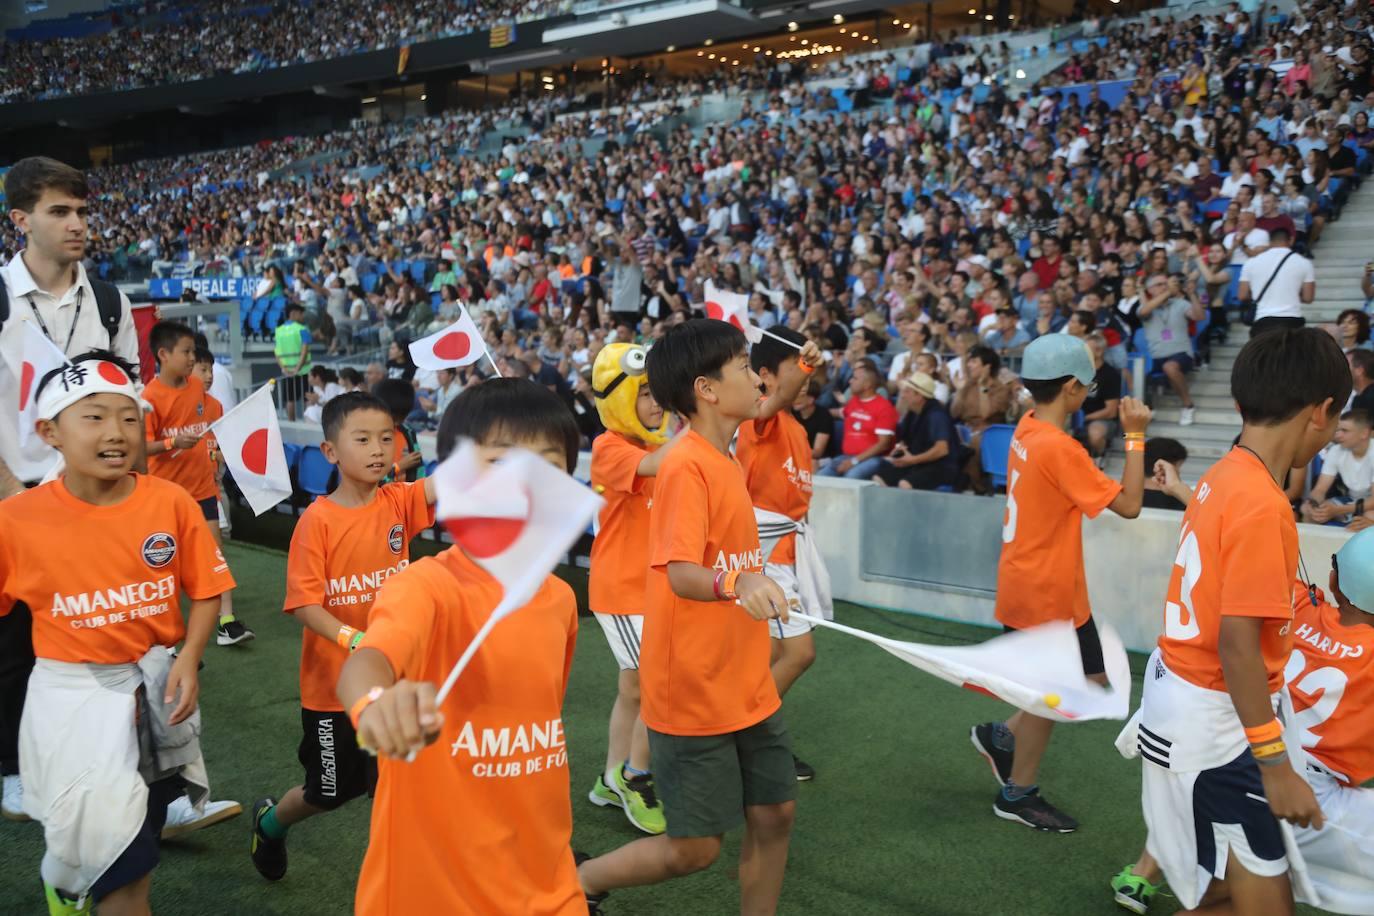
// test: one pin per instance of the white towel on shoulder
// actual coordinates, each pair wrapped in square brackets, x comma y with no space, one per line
[813,579]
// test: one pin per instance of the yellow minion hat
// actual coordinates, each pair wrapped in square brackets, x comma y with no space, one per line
[617,376]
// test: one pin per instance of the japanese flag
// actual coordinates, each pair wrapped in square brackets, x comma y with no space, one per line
[1039,670]
[731,307]
[459,344]
[37,358]
[250,440]
[515,519]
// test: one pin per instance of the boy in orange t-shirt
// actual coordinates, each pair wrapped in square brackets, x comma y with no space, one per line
[482,823]
[775,454]
[625,459]
[178,445]
[345,546]
[1052,483]
[720,750]
[142,544]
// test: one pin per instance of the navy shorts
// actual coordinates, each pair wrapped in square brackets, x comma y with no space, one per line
[209,508]
[1183,360]
[1089,647]
[143,853]
[1234,794]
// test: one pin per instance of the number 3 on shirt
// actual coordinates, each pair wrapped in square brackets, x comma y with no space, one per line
[1190,558]
[1009,520]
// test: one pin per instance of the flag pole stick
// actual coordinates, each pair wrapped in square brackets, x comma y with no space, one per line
[491,359]
[463,661]
[794,346]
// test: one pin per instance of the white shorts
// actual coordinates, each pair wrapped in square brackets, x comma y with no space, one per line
[1338,856]
[623,632]
[785,575]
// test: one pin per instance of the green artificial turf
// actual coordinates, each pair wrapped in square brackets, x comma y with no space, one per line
[898,821]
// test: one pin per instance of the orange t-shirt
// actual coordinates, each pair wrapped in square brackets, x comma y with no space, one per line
[1331,678]
[703,664]
[184,411]
[481,822]
[339,559]
[1237,557]
[620,551]
[776,457]
[1051,484]
[103,581]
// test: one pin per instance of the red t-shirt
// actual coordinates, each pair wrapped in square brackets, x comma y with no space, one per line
[865,419]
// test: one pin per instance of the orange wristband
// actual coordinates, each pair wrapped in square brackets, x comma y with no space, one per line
[728,586]
[345,635]
[1263,734]
[355,712]
[1135,445]
[801,364]
[168,444]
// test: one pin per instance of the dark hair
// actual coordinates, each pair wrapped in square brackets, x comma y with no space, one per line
[203,355]
[326,374]
[398,395]
[1162,448]
[1358,416]
[29,178]
[522,409]
[165,335]
[351,376]
[696,348]
[1279,373]
[770,353]
[342,407]
[987,356]
[1087,319]
[1362,319]
[1043,391]
[294,307]
[1279,232]
[1364,359]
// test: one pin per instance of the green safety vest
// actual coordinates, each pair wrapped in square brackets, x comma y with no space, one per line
[288,345]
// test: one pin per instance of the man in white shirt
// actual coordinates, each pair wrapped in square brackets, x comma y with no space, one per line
[1278,301]
[1350,459]
[1248,240]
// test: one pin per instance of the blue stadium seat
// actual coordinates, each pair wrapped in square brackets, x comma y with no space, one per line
[994,452]
[418,270]
[293,455]
[314,471]
[370,282]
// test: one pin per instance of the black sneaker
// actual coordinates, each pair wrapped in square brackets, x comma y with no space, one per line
[805,772]
[269,856]
[594,901]
[231,632]
[1033,811]
[982,737]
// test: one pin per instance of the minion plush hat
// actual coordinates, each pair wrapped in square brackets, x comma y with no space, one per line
[617,376]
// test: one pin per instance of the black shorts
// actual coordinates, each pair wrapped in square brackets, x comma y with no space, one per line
[209,508]
[1234,794]
[336,769]
[1089,647]
[291,388]
[143,853]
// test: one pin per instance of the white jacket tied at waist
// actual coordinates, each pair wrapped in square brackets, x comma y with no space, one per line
[89,744]
[813,579]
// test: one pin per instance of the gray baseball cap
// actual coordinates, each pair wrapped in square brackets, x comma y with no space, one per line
[1053,356]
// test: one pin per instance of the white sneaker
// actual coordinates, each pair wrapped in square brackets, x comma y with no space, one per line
[12,807]
[182,817]
[1185,416]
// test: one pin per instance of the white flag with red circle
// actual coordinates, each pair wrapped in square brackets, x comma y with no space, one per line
[250,439]
[38,357]
[459,344]
[732,308]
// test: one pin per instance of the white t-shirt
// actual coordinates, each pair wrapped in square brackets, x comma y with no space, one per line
[1253,239]
[1283,299]
[1357,473]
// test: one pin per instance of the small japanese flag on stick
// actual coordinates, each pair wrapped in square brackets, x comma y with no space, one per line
[459,344]
[734,309]
[250,440]
[515,519]
[37,358]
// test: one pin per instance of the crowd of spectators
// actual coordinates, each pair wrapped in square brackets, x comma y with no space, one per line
[922,239]
[173,42]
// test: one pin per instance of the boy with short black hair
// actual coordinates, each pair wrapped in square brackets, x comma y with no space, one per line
[720,750]
[344,547]
[775,454]
[107,738]
[399,397]
[178,446]
[1052,482]
[449,835]
[1211,743]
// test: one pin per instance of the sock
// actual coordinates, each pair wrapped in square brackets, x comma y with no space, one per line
[226,607]
[1002,738]
[630,772]
[1012,792]
[269,826]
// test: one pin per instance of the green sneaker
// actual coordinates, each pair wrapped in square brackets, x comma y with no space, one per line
[59,905]
[641,804]
[603,796]
[1132,891]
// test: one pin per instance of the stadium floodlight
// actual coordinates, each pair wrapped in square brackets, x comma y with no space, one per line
[838,18]
[792,26]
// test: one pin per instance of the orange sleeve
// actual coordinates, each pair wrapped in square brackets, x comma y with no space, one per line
[305,567]
[214,410]
[204,572]
[7,567]
[401,622]
[615,464]
[678,523]
[1080,479]
[409,502]
[572,642]
[1254,579]
[151,419]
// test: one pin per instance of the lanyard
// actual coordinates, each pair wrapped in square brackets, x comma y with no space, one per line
[80,291]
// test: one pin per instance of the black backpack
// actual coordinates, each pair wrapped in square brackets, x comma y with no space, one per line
[107,301]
